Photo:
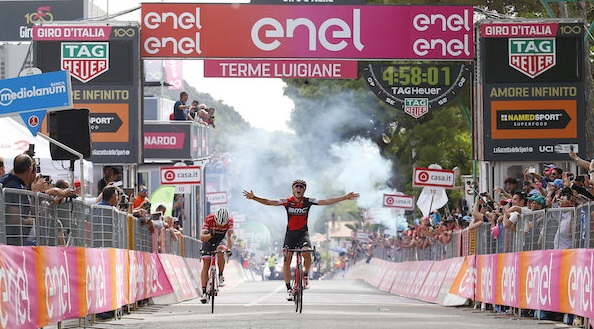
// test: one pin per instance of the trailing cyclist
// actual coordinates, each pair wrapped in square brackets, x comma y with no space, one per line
[297,234]
[217,233]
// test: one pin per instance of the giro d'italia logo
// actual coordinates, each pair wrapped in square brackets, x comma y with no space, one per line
[532,56]
[85,60]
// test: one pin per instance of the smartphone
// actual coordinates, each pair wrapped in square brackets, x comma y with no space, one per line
[571,147]
[532,170]
[31,150]
[47,178]
[129,192]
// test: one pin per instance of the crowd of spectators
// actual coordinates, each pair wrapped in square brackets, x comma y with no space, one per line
[197,112]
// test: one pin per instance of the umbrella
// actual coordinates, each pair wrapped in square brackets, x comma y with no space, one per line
[338,249]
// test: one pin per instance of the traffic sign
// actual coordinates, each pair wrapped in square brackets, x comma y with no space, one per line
[406,202]
[434,177]
[217,197]
[180,175]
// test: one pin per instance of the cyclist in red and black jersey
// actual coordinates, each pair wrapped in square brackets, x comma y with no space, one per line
[217,233]
[297,235]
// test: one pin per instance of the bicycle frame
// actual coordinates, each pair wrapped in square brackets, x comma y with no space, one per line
[212,287]
[298,277]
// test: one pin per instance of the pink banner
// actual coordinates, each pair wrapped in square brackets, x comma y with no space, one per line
[502,30]
[508,284]
[327,69]
[179,277]
[71,33]
[120,278]
[305,31]
[60,272]
[18,287]
[444,297]
[158,281]
[463,283]
[195,267]
[389,277]
[432,285]
[99,281]
[423,269]
[174,74]
[487,275]
[539,280]
[138,275]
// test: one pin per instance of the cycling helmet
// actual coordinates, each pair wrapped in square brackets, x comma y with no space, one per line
[299,182]
[222,217]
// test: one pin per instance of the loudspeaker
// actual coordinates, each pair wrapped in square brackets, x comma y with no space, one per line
[71,128]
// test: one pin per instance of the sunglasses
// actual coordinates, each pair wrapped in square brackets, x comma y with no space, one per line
[299,186]
[143,190]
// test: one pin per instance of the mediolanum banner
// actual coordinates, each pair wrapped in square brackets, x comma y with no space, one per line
[306,31]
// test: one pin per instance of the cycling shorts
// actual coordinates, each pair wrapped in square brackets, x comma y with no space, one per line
[297,239]
[212,244]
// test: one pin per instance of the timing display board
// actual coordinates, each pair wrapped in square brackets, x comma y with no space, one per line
[533,99]
[104,63]
[416,88]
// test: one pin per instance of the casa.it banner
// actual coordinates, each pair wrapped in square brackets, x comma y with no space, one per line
[307,31]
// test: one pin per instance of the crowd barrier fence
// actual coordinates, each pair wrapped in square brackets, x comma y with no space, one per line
[54,234]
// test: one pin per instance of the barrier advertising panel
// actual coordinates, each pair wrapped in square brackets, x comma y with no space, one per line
[304,31]
[533,99]
[104,62]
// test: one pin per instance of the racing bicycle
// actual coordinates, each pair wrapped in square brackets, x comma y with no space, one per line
[212,288]
[297,283]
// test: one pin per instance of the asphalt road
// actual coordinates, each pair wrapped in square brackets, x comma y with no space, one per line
[328,304]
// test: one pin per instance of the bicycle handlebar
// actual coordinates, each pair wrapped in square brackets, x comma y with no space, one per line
[215,252]
[300,250]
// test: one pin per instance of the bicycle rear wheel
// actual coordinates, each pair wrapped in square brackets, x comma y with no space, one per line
[213,289]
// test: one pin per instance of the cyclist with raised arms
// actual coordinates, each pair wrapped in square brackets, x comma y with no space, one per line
[217,233]
[297,234]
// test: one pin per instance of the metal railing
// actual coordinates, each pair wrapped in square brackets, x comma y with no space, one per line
[34,219]
[553,228]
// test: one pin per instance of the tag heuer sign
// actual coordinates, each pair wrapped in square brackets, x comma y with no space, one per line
[85,60]
[416,107]
[532,56]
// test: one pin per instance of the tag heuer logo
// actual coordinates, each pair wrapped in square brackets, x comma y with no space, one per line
[85,60]
[532,56]
[416,107]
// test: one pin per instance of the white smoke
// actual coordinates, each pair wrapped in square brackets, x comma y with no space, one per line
[269,162]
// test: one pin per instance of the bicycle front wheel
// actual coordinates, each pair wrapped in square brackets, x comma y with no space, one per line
[299,290]
[213,289]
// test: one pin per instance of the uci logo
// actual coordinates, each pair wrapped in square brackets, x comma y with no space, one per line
[121,32]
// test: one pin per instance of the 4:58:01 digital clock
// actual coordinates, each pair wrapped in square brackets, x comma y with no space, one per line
[416,75]
[416,88]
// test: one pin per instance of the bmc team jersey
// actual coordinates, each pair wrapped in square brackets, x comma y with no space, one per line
[297,212]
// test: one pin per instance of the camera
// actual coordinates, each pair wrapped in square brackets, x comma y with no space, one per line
[147,206]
